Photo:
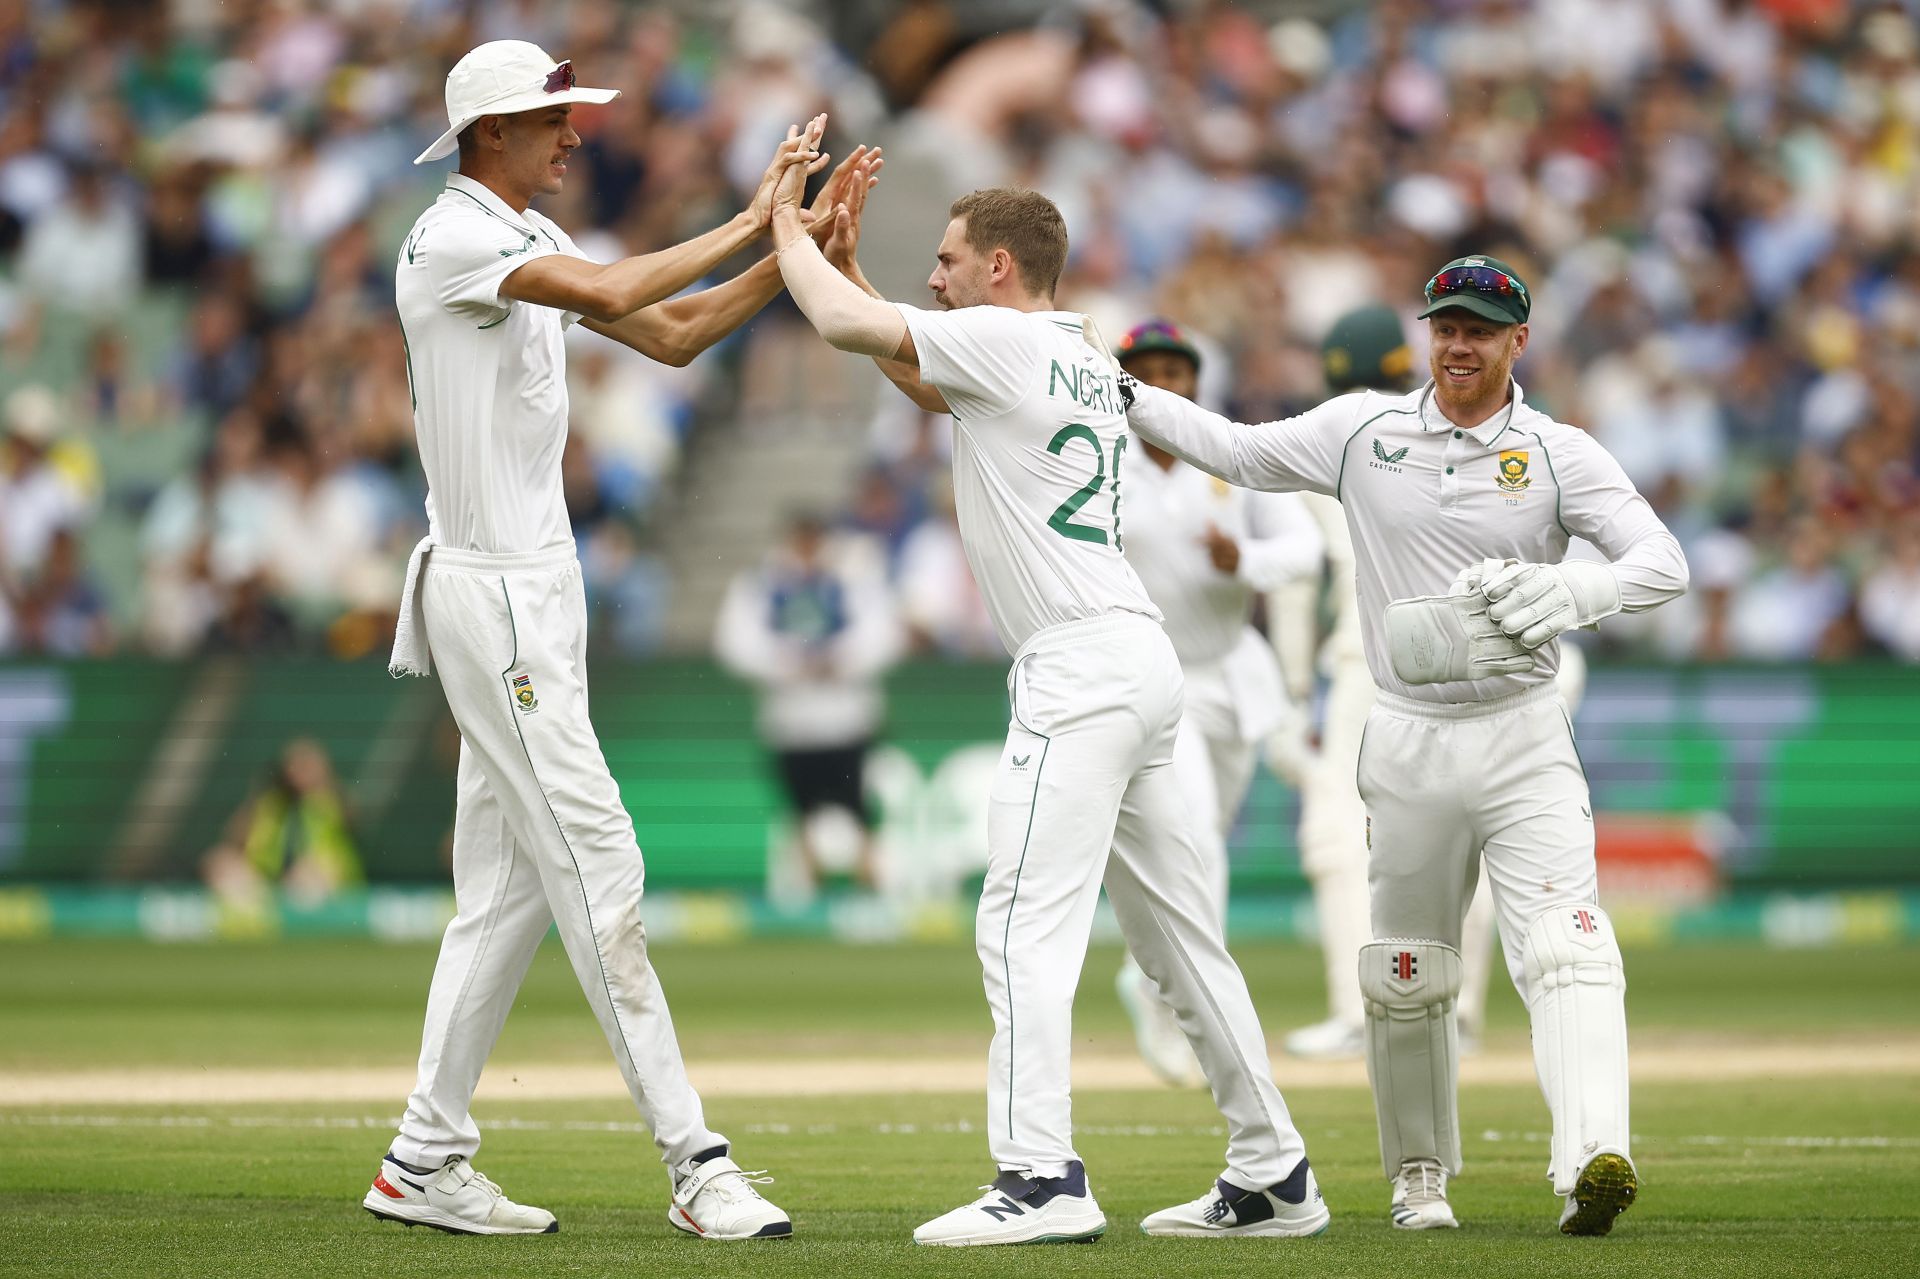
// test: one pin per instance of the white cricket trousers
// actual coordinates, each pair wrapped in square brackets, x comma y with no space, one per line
[1446,785]
[1086,792]
[1333,838]
[1214,762]
[539,837]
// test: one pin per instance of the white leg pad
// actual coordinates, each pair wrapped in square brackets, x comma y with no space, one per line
[1577,998]
[1413,1051]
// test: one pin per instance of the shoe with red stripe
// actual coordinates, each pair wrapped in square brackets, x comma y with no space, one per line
[455,1197]
[716,1199]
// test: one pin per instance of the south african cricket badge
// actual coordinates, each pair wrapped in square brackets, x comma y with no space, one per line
[1513,472]
[523,692]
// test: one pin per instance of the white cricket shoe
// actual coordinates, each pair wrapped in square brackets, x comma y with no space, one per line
[1605,1188]
[716,1199]
[456,1197]
[1020,1209]
[1290,1210]
[1420,1197]
[1162,1043]
[1330,1040]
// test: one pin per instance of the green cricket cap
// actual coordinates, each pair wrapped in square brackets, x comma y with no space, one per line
[1366,349]
[1486,286]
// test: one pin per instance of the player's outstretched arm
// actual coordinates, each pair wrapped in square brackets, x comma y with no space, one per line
[677,330]
[847,316]
[607,293]
[1298,453]
[842,249]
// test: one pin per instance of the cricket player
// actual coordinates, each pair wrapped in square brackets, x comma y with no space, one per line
[1461,499]
[1086,788]
[485,287]
[1366,349]
[1202,549]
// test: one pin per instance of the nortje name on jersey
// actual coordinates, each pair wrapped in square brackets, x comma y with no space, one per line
[1085,386]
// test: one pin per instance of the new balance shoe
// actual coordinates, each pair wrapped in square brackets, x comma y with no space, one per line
[1420,1197]
[455,1197]
[714,1198]
[1290,1210]
[1155,1029]
[1605,1188]
[1330,1040]
[1021,1209]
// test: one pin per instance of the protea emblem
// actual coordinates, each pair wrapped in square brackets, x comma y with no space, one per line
[1513,472]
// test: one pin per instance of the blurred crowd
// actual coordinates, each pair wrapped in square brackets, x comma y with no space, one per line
[1716,203]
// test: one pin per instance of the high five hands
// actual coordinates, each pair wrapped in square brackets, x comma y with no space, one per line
[796,159]
[833,220]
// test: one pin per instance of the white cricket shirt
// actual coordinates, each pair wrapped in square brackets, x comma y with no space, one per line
[1168,515]
[1425,498]
[488,374]
[1038,441]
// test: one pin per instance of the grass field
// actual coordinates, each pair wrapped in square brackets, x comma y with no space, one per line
[1800,1161]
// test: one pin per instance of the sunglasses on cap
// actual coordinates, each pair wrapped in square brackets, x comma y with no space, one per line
[560,78]
[1475,279]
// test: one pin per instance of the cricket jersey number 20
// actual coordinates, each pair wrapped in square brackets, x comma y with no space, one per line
[1061,521]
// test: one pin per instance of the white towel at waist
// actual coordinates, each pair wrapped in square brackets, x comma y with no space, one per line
[410,655]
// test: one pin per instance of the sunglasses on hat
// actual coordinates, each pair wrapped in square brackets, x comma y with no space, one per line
[1475,279]
[560,79]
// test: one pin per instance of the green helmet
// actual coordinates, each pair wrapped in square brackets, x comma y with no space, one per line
[1367,349]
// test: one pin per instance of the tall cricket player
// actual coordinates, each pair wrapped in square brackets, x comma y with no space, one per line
[1461,500]
[1086,787]
[1202,549]
[485,287]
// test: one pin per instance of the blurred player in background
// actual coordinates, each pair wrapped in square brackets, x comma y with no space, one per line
[1202,548]
[1366,349]
[1086,788]
[1467,750]
[485,289]
[813,628]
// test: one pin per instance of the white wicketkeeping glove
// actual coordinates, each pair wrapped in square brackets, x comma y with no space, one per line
[1535,602]
[1436,639]
[1471,578]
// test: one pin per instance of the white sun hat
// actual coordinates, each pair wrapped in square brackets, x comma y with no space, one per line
[502,77]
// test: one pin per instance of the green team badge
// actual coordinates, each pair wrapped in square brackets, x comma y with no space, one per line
[523,692]
[1389,458]
[1513,472]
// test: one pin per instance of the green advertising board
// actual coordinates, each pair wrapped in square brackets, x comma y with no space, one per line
[129,771]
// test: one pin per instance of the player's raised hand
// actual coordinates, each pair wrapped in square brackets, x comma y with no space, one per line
[797,156]
[843,235]
[858,169]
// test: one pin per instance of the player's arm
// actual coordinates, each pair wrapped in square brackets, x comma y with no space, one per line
[905,376]
[1533,603]
[677,330]
[1299,453]
[841,249]
[607,293]
[1283,543]
[846,315]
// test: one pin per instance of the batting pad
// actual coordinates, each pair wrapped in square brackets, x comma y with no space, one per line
[1577,997]
[1413,1048]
